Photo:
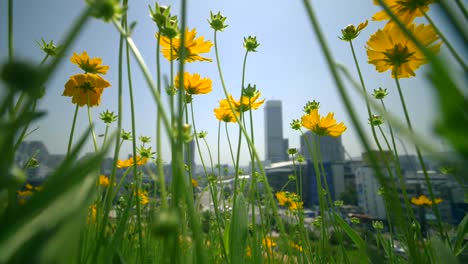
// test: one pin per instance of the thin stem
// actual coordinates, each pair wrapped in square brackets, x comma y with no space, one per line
[229,143]
[159,161]
[90,119]
[149,80]
[70,140]
[247,138]
[446,42]
[462,8]
[105,136]
[10,31]
[17,108]
[171,83]
[135,173]
[421,161]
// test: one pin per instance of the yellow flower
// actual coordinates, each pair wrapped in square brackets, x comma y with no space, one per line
[296,246]
[194,183]
[103,181]
[193,84]
[93,211]
[29,186]
[85,89]
[142,197]
[282,198]
[422,200]
[390,48]
[129,162]
[193,47]
[405,10]
[25,193]
[244,104]
[268,242]
[295,205]
[325,126]
[248,252]
[225,115]
[89,65]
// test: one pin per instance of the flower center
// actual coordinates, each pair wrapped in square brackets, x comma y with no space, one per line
[398,55]
[86,86]
[410,5]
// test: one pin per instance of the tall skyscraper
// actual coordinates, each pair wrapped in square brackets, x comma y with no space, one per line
[331,147]
[276,146]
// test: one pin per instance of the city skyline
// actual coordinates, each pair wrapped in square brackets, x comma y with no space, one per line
[297,76]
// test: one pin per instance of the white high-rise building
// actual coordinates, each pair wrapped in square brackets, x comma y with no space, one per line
[276,146]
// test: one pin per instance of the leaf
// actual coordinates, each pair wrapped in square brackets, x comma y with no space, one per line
[442,252]
[462,230]
[238,230]
[360,243]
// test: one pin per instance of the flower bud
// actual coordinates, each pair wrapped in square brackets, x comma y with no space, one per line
[126,135]
[251,43]
[295,124]
[202,134]
[376,120]
[250,91]
[108,117]
[160,14]
[350,32]
[311,106]
[49,48]
[292,151]
[106,10]
[378,225]
[380,93]
[217,21]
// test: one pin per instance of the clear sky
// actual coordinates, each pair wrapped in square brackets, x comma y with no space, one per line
[288,66]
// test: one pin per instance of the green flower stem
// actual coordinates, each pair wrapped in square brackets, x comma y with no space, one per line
[10,31]
[25,129]
[399,172]
[214,196]
[17,108]
[72,130]
[347,102]
[135,173]
[110,193]
[91,125]
[462,8]
[374,134]
[423,165]
[219,149]
[229,143]
[253,173]
[331,203]
[105,136]
[194,219]
[400,126]
[304,233]
[171,83]
[446,42]
[323,237]
[209,154]
[149,80]
[159,161]
[257,158]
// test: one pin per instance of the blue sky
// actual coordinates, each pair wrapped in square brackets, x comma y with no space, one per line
[288,66]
